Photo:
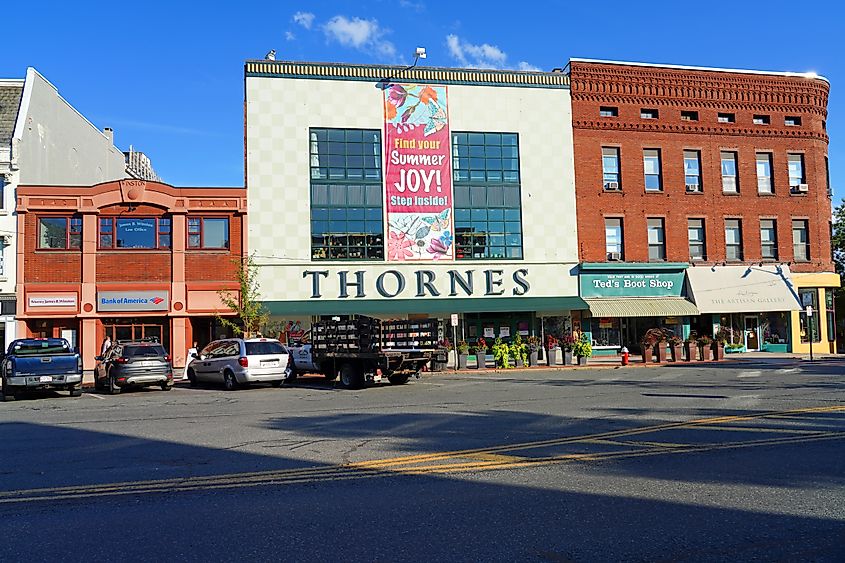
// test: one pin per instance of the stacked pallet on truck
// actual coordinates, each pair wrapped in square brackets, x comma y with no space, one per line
[410,335]
[359,334]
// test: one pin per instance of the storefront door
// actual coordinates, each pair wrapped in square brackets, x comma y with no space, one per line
[752,337]
[136,329]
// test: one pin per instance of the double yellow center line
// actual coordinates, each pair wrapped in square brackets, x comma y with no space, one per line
[456,461]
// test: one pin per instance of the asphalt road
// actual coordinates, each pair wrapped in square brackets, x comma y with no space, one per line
[739,462]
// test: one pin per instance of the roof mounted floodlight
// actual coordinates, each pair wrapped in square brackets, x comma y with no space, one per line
[384,83]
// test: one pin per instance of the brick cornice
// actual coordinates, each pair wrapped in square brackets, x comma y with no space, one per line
[648,127]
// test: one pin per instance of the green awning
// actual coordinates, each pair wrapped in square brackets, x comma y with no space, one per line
[642,307]
[354,306]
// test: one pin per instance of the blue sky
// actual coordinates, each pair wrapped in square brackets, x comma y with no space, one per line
[168,76]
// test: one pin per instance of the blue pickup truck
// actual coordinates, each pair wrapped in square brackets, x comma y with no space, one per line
[40,363]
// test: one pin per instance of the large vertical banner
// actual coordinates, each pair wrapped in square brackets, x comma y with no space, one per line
[418,173]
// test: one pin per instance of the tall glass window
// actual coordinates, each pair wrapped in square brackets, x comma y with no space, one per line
[800,240]
[346,194]
[651,167]
[610,168]
[656,240]
[733,240]
[730,183]
[764,173]
[796,172]
[488,210]
[829,308]
[697,240]
[809,297]
[614,244]
[692,170]
[768,239]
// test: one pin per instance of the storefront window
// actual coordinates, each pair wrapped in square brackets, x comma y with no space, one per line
[829,306]
[346,194]
[809,297]
[606,331]
[775,328]
[733,326]
[488,210]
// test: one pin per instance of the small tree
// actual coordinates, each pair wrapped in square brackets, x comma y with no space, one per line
[250,315]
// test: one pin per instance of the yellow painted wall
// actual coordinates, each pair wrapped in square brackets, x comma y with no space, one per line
[819,317]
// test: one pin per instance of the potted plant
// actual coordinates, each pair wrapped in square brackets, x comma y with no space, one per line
[501,353]
[534,351]
[553,347]
[441,356]
[734,348]
[519,351]
[676,347]
[567,342]
[463,354]
[583,349]
[481,354]
[718,345]
[690,346]
[660,347]
[704,343]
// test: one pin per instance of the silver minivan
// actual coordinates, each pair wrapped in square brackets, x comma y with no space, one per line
[237,361]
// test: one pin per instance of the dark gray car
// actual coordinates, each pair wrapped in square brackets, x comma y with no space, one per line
[133,364]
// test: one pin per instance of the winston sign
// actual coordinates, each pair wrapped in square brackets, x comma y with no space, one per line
[418,177]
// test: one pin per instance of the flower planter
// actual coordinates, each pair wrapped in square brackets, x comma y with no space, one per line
[462,361]
[718,351]
[534,358]
[690,352]
[481,360]
[582,360]
[567,357]
[648,354]
[704,353]
[661,352]
[737,350]
[677,353]
[517,362]
[554,357]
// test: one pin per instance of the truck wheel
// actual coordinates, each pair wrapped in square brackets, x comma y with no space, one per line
[230,382]
[97,385]
[113,387]
[8,394]
[75,391]
[351,377]
[398,379]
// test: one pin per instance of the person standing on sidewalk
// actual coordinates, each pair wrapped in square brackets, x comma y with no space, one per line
[188,359]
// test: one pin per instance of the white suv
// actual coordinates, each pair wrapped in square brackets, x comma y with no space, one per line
[237,361]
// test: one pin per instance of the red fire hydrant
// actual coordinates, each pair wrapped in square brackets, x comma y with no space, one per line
[624,356]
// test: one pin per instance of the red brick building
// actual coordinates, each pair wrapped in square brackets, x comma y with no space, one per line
[128,259]
[722,173]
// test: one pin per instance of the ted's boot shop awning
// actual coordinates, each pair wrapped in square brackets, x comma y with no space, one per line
[641,307]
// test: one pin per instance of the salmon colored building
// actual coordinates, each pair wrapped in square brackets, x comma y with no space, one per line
[127,259]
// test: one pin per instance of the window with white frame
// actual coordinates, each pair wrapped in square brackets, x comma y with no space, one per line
[768,239]
[692,170]
[656,240]
[651,167]
[800,240]
[610,168]
[697,242]
[796,172]
[733,240]
[730,182]
[614,244]
[764,173]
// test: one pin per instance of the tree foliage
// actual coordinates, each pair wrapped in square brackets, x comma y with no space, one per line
[250,315]
[837,241]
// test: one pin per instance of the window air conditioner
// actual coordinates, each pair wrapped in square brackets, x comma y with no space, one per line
[614,256]
[803,188]
[693,188]
[611,186]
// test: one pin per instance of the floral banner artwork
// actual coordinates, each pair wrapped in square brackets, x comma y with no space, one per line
[418,173]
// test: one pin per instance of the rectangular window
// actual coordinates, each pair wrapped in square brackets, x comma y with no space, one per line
[768,239]
[726,118]
[796,173]
[764,173]
[137,232]
[613,241]
[733,240]
[761,120]
[800,240]
[208,232]
[809,297]
[730,182]
[697,240]
[656,240]
[692,170]
[2,192]
[689,115]
[346,194]
[827,176]
[608,111]
[651,166]
[649,113]
[830,308]
[59,233]
[792,121]
[610,168]
[488,200]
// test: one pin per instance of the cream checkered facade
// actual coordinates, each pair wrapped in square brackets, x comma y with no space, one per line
[281,109]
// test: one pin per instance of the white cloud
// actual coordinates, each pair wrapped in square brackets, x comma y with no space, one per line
[361,34]
[481,56]
[305,19]
[528,66]
[290,36]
